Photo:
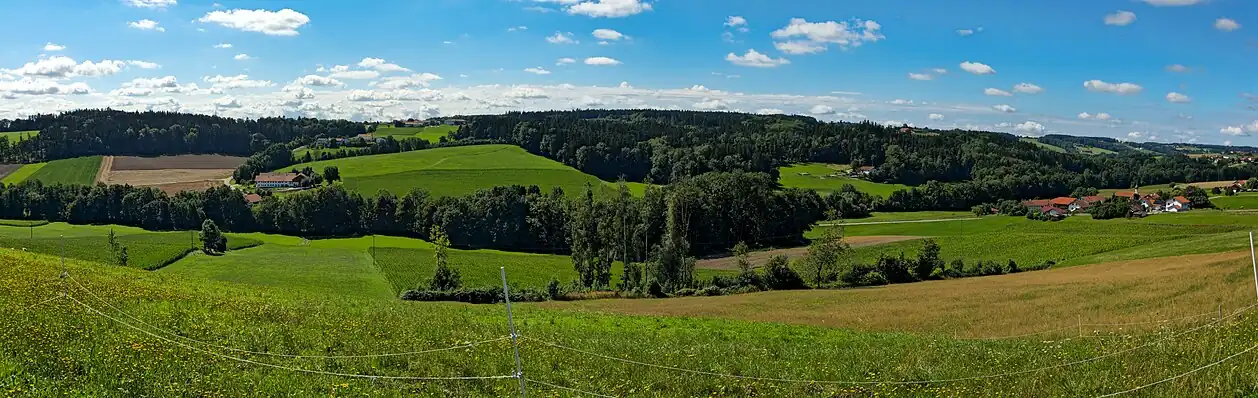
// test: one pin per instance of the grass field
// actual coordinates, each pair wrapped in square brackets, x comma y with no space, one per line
[326,271]
[146,250]
[431,134]
[1091,150]
[82,170]
[1241,201]
[64,348]
[316,152]
[22,173]
[457,171]
[1042,145]
[817,180]
[19,136]
[914,216]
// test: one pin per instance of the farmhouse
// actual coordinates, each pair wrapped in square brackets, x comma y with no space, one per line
[455,122]
[1064,203]
[862,171]
[278,180]
[253,199]
[1177,204]
[1053,211]
[1038,203]
[1086,202]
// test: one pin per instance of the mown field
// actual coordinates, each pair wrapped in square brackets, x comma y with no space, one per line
[428,133]
[145,249]
[456,171]
[817,179]
[82,170]
[1242,201]
[72,347]
[1047,147]
[22,173]
[19,136]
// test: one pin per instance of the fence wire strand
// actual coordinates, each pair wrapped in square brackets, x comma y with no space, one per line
[855,382]
[281,367]
[1182,375]
[568,388]
[208,344]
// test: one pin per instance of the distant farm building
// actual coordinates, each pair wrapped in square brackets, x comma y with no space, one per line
[253,199]
[278,180]
[455,122]
[1177,204]
[1038,203]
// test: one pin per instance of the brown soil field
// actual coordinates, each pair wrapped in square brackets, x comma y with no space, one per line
[760,257]
[1065,302]
[1212,184]
[177,162]
[6,169]
[178,187]
[168,176]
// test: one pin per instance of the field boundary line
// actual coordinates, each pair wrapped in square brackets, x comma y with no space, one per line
[171,333]
[854,382]
[567,388]
[270,365]
[1182,375]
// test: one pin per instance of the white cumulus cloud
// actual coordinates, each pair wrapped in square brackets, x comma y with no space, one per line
[561,38]
[1177,68]
[803,37]
[537,71]
[1029,127]
[146,24]
[234,82]
[977,68]
[1028,88]
[1177,98]
[995,92]
[1120,18]
[936,117]
[242,57]
[1226,24]
[53,47]
[1005,108]
[755,59]
[381,65]
[609,8]
[608,34]
[1115,88]
[284,22]
[601,61]
[565,61]
[150,3]
[921,76]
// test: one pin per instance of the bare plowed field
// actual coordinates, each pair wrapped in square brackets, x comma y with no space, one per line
[121,163]
[6,169]
[171,174]
[731,263]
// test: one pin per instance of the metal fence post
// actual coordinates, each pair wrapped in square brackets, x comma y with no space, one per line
[515,341]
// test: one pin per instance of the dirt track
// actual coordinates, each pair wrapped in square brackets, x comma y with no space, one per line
[106,165]
[759,258]
[122,163]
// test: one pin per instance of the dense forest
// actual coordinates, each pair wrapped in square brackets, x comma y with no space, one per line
[110,132]
[953,169]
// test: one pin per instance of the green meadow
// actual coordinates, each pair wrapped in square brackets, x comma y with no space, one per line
[431,134]
[23,173]
[458,171]
[817,179]
[81,170]
[19,136]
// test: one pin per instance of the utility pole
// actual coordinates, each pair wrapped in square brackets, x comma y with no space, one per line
[515,339]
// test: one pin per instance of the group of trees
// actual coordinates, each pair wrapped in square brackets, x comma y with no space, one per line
[110,132]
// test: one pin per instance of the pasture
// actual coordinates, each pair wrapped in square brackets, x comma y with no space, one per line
[171,174]
[19,136]
[22,173]
[1240,201]
[313,270]
[1047,147]
[455,171]
[431,134]
[147,250]
[81,171]
[192,326]
[818,178]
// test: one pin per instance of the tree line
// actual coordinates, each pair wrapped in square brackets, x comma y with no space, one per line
[111,132]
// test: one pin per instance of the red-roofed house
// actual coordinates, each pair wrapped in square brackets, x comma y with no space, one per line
[1177,204]
[1037,203]
[1086,202]
[253,199]
[1062,202]
[1053,211]
[278,180]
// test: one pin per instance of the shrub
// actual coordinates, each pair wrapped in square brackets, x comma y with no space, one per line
[873,279]
[778,275]
[894,269]
[1013,267]
[956,269]
[687,292]
[1041,266]
[855,274]
[553,289]
[710,291]
[483,295]
[655,289]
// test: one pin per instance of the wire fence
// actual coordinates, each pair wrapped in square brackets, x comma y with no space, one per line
[188,343]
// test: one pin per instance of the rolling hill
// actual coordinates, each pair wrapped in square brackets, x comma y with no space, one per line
[456,171]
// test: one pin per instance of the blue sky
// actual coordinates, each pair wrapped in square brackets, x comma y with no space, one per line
[1145,70]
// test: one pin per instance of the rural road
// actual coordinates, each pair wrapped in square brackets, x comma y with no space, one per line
[826,224]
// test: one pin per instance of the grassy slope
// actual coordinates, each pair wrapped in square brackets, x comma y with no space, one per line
[80,170]
[62,349]
[1244,201]
[789,177]
[19,136]
[146,250]
[23,173]
[327,271]
[429,133]
[1042,145]
[455,171]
